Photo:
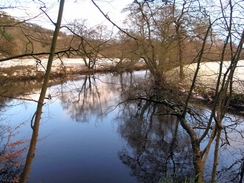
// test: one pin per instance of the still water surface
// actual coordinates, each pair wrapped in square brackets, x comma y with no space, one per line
[78,142]
[85,136]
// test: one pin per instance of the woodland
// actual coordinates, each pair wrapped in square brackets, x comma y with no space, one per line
[164,36]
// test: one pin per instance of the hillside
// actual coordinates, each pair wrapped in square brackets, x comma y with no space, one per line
[19,38]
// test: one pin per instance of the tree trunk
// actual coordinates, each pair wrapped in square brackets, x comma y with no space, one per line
[216,155]
[179,40]
[37,115]
[197,161]
[197,156]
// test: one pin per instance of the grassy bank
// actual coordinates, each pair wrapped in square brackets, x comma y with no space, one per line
[30,73]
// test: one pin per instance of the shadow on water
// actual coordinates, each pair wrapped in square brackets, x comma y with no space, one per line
[152,144]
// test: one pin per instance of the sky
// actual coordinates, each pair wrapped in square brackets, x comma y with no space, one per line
[74,9]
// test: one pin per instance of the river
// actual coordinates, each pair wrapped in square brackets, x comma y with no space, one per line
[90,133]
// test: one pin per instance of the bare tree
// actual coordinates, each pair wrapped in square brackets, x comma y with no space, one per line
[202,33]
[35,123]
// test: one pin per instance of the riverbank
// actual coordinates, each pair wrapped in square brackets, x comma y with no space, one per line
[31,69]
[208,75]
[206,81]
[19,78]
[62,70]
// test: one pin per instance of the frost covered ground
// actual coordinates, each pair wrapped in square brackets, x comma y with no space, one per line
[56,63]
[208,74]
[29,67]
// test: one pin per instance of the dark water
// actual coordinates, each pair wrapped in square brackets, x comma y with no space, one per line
[90,134]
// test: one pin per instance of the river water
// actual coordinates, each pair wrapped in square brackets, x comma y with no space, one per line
[90,134]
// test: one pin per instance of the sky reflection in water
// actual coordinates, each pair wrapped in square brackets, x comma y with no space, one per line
[74,150]
[78,152]
[80,141]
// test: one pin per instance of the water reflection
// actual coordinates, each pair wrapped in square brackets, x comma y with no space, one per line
[156,145]
[139,116]
[93,95]
[117,139]
[82,99]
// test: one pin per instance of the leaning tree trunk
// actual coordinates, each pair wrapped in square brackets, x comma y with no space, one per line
[37,116]
[197,157]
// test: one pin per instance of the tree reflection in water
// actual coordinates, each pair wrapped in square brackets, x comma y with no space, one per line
[80,101]
[89,97]
[157,146]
